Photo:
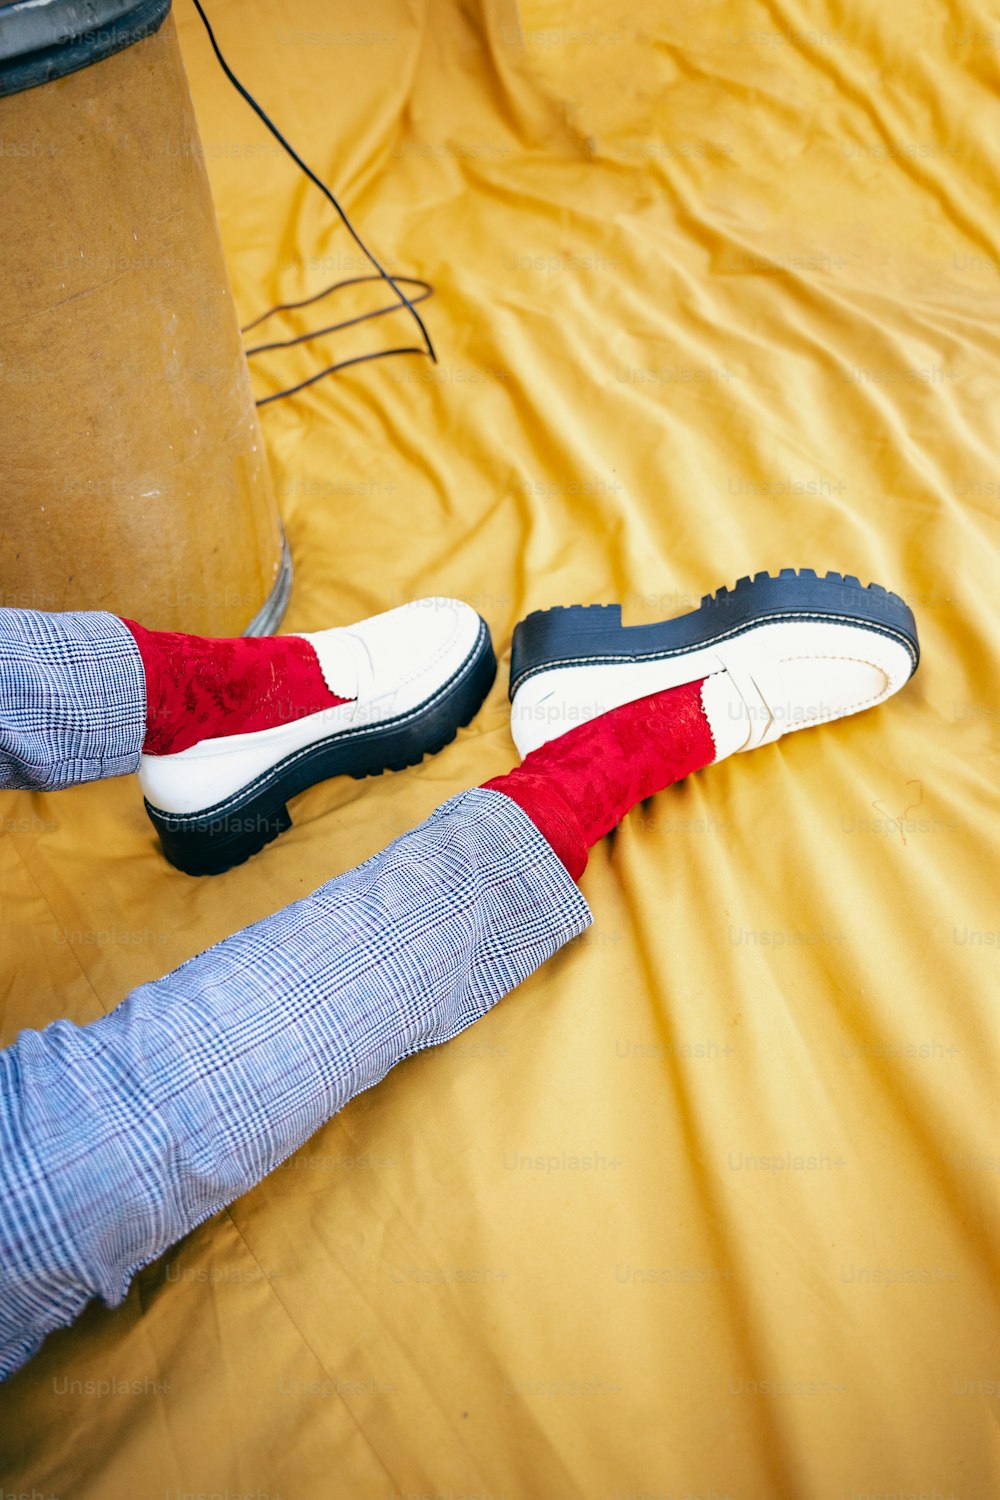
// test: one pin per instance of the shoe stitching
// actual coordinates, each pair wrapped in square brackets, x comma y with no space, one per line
[850,708]
[710,641]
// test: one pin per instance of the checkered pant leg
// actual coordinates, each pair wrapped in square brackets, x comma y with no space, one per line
[72,698]
[118,1137]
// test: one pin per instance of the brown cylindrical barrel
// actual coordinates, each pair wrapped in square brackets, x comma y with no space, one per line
[134,476]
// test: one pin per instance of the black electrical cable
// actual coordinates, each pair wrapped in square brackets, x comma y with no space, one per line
[315,333]
[383,274]
[359,359]
[334,285]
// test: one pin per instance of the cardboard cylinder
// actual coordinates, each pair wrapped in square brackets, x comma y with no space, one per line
[135,478]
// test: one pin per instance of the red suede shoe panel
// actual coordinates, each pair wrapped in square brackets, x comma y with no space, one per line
[199,688]
[578,787]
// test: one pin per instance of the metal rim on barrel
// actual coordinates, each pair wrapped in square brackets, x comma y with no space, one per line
[41,40]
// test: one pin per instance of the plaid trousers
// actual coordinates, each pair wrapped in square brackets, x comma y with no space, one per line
[119,1137]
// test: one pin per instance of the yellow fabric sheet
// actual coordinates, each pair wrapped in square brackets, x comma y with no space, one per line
[717,291]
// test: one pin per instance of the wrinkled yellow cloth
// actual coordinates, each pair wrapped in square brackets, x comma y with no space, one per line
[709,1207]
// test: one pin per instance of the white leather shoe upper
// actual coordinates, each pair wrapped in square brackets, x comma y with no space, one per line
[389,666]
[771,678]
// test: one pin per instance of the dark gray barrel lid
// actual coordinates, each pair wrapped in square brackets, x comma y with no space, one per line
[45,39]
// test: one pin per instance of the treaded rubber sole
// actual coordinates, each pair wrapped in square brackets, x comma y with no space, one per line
[217,838]
[581,634]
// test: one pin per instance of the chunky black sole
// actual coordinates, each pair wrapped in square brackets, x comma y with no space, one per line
[582,634]
[217,838]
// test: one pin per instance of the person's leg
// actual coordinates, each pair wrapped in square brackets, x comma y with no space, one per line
[72,699]
[118,1137]
[224,731]
[578,786]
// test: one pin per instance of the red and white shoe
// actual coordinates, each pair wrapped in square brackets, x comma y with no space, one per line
[777,654]
[413,676]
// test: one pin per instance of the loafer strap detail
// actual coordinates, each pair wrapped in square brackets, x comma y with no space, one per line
[756,676]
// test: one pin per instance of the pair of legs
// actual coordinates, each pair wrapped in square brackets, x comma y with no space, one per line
[119,1137]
